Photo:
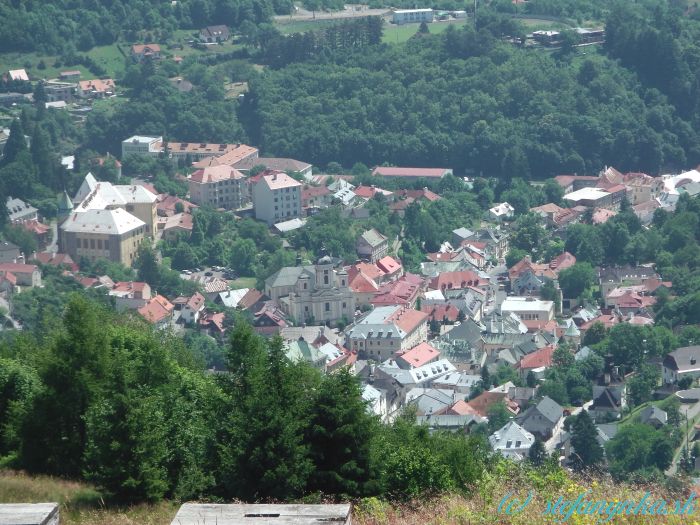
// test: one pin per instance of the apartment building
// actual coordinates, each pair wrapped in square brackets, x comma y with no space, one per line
[386,331]
[276,197]
[219,187]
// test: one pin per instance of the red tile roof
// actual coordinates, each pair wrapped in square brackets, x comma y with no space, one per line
[537,359]
[56,259]
[407,319]
[18,268]
[428,173]
[420,355]
[456,280]
[156,310]
[389,265]
[196,302]
[462,408]
[441,312]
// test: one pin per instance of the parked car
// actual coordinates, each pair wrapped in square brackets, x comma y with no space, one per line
[208,274]
[187,272]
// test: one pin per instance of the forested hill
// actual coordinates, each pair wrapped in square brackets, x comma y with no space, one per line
[466,99]
[61,26]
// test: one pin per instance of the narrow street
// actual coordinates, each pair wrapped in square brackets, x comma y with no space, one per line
[689,412]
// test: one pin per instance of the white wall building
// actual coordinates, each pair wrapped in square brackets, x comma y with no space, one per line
[529,308]
[412,16]
[276,198]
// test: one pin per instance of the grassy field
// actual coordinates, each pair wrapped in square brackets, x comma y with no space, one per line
[394,34]
[242,282]
[80,503]
[288,27]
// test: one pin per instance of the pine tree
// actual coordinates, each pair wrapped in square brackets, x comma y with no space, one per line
[16,143]
[537,454]
[41,157]
[584,439]
[339,437]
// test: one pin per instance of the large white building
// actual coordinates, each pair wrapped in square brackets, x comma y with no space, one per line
[412,16]
[387,330]
[183,151]
[276,197]
[142,146]
[314,293]
[529,308]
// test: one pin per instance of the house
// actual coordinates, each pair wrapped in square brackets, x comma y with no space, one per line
[140,52]
[97,88]
[158,311]
[512,441]
[56,259]
[528,308]
[19,211]
[41,232]
[219,187]
[387,330]
[239,513]
[193,308]
[412,16]
[403,291]
[168,205]
[613,277]
[418,356]
[448,281]
[609,400]
[102,234]
[653,416]
[410,174]
[176,226]
[18,75]
[501,212]
[597,197]
[682,362]
[315,198]
[537,362]
[27,275]
[484,401]
[372,245]
[214,34]
[277,164]
[276,197]
[543,420]
[130,295]
[317,292]
[199,155]
[9,253]
[73,74]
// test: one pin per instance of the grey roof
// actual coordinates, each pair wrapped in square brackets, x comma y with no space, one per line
[373,237]
[449,421]
[288,276]
[684,359]
[651,414]
[17,208]
[238,514]
[621,273]
[463,233]
[607,431]
[430,400]
[508,437]
[272,163]
[6,246]
[467,331]
[583,353]
[310,333]
[607,396]
[548,408]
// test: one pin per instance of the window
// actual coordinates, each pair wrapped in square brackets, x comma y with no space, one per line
[325,279]
[99,244]
[344,305]
[92,244]
[328,307]
[509,443]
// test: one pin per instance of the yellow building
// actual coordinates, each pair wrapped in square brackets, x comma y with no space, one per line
[112,234]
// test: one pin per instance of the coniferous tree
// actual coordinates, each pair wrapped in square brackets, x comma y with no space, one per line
[584,439]
[16,143]
[339,436]
[537,454]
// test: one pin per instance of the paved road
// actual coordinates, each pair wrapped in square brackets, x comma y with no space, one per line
[689,412]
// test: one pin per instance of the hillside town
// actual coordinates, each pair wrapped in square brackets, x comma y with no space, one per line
[465,339]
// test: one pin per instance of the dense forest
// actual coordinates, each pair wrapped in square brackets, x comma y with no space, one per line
[61,26]
[467,100]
